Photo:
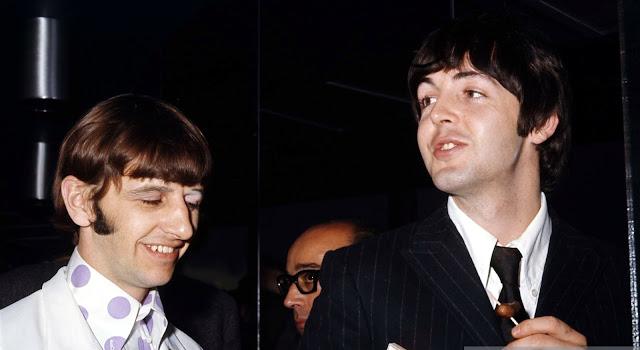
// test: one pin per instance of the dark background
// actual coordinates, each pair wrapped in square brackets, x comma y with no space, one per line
[306,109]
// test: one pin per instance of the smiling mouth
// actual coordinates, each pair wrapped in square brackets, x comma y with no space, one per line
[447,146]
[161,248]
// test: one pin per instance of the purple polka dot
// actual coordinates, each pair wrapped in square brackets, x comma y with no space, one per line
[148,299]
[149,322]
[164,322]
[143,345]
[80,276]
[84,311]
[119,307]
[114,342]
[159,303]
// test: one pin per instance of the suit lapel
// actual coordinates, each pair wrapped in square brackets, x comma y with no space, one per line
[571,268]
[439,257]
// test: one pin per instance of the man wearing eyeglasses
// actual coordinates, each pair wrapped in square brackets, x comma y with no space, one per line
[304,261]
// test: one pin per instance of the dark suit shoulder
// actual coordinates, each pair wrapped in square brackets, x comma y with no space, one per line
[354,284]
[207,314]
[25,280]
[393,241]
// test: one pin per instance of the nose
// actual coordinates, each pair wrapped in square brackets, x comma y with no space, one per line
[293,298]
[179,221]
[444,111]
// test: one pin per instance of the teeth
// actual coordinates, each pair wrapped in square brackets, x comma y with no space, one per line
[447,146]
[161,248]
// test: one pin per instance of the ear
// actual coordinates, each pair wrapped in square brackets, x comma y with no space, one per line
[76,195]
[544,132]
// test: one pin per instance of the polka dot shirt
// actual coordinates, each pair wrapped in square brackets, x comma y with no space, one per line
[117,320]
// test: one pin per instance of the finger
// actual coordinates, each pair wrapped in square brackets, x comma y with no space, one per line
[539,341]
[550,326]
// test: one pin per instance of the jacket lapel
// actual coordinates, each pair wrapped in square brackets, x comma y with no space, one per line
[571,268]
[439,257]
[66,327]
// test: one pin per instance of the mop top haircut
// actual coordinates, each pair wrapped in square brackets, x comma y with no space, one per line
[129,135]
[521,62]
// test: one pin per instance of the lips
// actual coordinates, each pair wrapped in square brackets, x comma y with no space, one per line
[446,147]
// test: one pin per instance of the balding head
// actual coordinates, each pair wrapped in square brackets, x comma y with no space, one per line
[308,250]
[307,253]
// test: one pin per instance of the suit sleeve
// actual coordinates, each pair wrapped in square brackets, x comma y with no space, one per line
[337,320]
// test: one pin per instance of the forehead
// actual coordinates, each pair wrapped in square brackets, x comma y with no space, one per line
[310,247]
[464,73]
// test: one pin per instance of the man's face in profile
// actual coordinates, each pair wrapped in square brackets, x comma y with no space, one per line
[150,224]
[307,253]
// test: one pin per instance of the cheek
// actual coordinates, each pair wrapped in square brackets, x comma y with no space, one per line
[424,135]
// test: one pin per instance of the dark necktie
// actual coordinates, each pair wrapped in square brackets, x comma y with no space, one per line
[506,263]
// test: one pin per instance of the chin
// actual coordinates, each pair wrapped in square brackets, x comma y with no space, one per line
[159,279]
[444,185]
[451,183]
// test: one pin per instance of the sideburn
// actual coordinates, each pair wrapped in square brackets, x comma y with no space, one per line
[101,226]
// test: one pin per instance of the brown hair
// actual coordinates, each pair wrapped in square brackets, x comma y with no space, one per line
[521,62]
[129,135]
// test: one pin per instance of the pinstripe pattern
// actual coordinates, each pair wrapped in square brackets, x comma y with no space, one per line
[416,286]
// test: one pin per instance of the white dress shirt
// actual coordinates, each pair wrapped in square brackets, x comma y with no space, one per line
[533,244]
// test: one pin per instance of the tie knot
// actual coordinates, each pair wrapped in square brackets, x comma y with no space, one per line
[506,263]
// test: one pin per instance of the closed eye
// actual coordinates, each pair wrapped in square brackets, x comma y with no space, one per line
[153,202]
[193,200]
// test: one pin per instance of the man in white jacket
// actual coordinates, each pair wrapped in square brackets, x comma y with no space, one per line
[128,184]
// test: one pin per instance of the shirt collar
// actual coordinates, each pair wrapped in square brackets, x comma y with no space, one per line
[110,312]
[533,243]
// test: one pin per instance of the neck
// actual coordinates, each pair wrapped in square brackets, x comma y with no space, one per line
[504,213]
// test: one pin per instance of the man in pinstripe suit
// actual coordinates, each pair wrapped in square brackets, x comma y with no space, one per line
[491,102]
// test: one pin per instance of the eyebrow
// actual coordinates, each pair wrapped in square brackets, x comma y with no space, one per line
[299,267]
[473,74]
[150,189]
[144,190]
[460,76]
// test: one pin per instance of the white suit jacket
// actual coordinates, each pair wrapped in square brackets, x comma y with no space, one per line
[50,319]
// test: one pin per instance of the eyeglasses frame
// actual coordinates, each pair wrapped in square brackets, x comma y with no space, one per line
[294,280]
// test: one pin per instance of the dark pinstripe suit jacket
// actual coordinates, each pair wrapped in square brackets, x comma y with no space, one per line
[417,287]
